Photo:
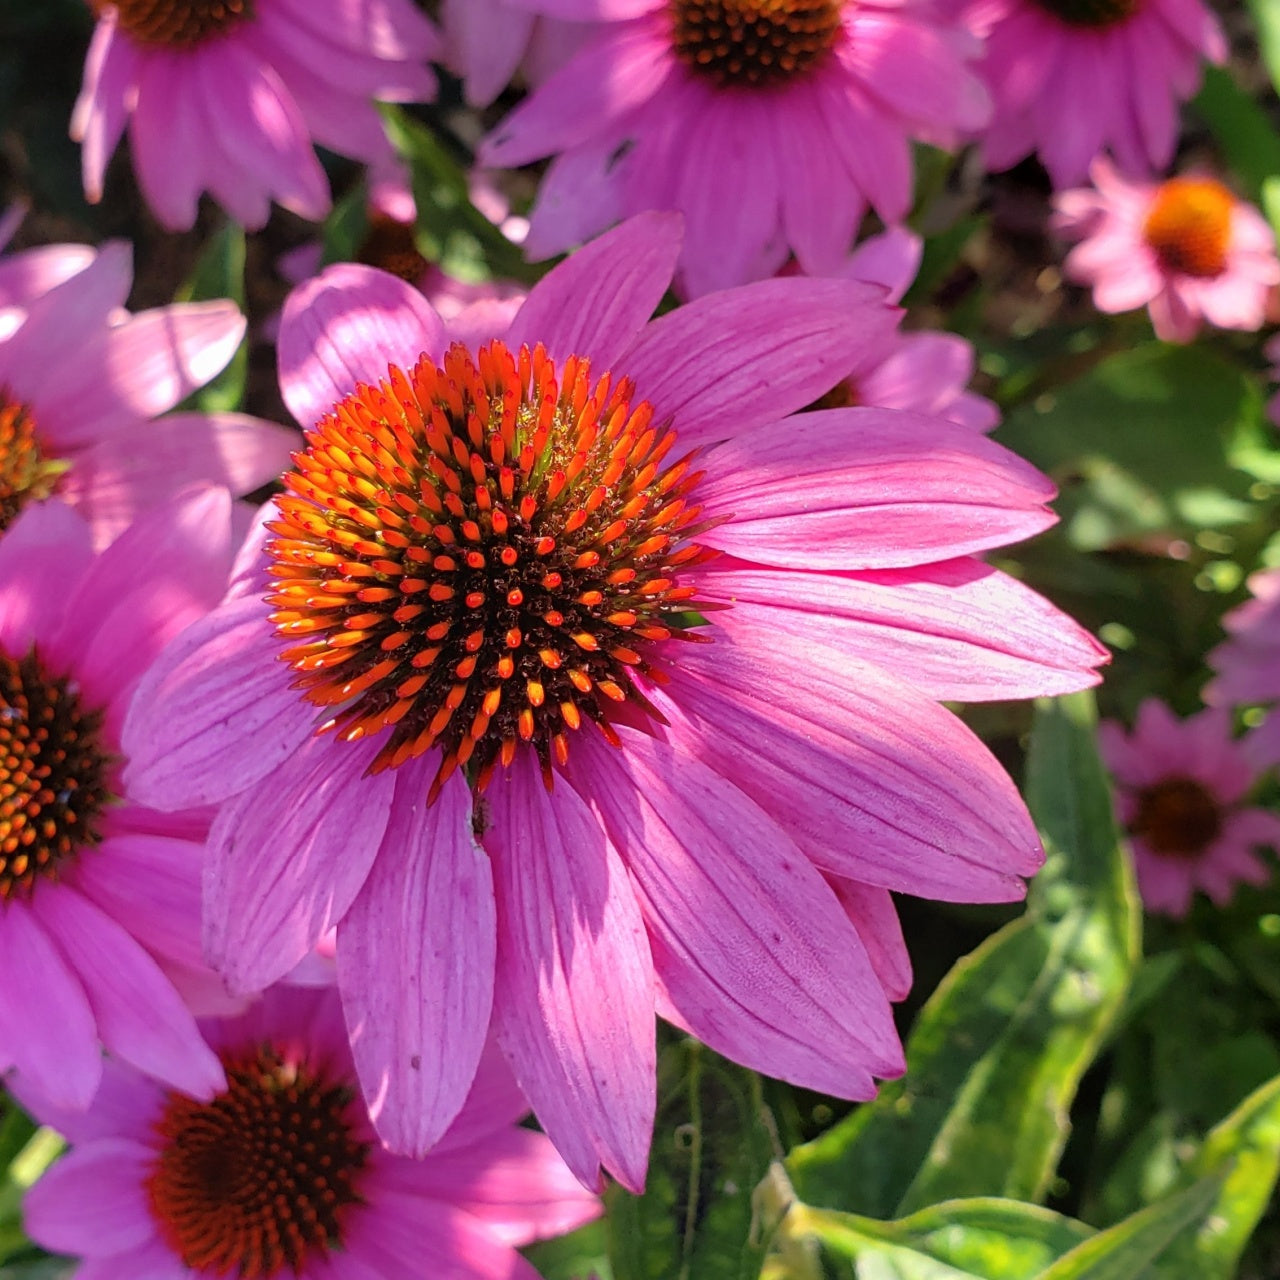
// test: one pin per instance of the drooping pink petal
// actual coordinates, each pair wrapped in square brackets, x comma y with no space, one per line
[415,964]
[287,857]
[574,997]
[752,950]
[100,112]
[873,915]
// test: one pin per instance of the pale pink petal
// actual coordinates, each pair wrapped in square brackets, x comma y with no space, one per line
[574,997]
[101,109]
[33,272]
[44,555]
[170,178]
[415,964]
[487,46]
[890,259]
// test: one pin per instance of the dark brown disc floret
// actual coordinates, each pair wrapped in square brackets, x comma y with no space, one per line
[389,244]
[754,43]
[53,774]
[1177,817]
[1097,14]
[178,24]
[482,554]
[262,1178]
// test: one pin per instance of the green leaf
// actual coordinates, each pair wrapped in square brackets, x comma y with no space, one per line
[713,1143]
[999,1049]
[1266,17]
[345,227]
[452,232]
[581,1254]
[219,273]
[1125,1251]
[1240,126]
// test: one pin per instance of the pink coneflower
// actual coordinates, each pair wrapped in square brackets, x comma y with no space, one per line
[1186,248]
[1180,792]
[227,96]
[99,896]
[1248,664]
[1072,79]
[280,1175]
[569,725]
[771,127]
[923,370]
[81,379]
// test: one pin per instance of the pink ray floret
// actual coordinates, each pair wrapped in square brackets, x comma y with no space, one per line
[133,1196]
[684,736]
[1248,664]
[1181,791]
[1076,79]
[229,98]
[1187,249]
[767,154]
[86,390]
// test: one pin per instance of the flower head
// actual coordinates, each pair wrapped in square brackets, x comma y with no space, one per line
[279,1173]
[571,667]
[1248,664]
[228,96]
[1180,792]
[81,380]
[1073,79]
[771,127]
[99,895]
[1187,248]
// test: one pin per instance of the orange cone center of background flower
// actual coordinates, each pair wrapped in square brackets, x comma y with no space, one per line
[389,245]
[483,554]
[754,42]
[180,24]
[52,774]
[1177,817]
[26,474]
[260,1179]
[1091,13]
[1189,226]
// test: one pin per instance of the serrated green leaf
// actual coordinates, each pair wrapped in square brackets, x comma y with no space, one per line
[1127,1250]
[999,1049]
[219,273]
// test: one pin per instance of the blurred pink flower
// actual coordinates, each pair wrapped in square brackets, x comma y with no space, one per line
[1074,78]
[1248,664]
[1187,248]
[770,144]
[229,97]
[81,380]
[922,370]
[759,644]
[1180,792]
[99,895]
[303,1190]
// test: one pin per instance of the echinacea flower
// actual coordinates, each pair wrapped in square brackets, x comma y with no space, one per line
[228,97]
[922,369]
[99,895]
[1181,788]
[1073,79]
[1186,248]
[279,1175]
[81,380]
[1248,663]
[571,667]
[771,127]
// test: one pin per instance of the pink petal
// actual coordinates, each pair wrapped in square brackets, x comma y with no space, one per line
[415,964]
[574,998]
[733,361]
[754,953]
[867,489]
[43,555]
[595,302]
[101,109]
[494,1105]
[92,1202]
[140,1016]
[873,915]
[287,857]
[890,259]
[33,272]
[125,1105]
[344,328]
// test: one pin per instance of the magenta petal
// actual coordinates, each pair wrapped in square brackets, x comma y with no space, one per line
[92,1203]
[574,999]
[415,964]
[873,915]
[595,302]
[287,857]
[756,956]
[868,489]
[775,347]
[44,555]
[58,1055]
[215,714]
[343,328]
[140,1016]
